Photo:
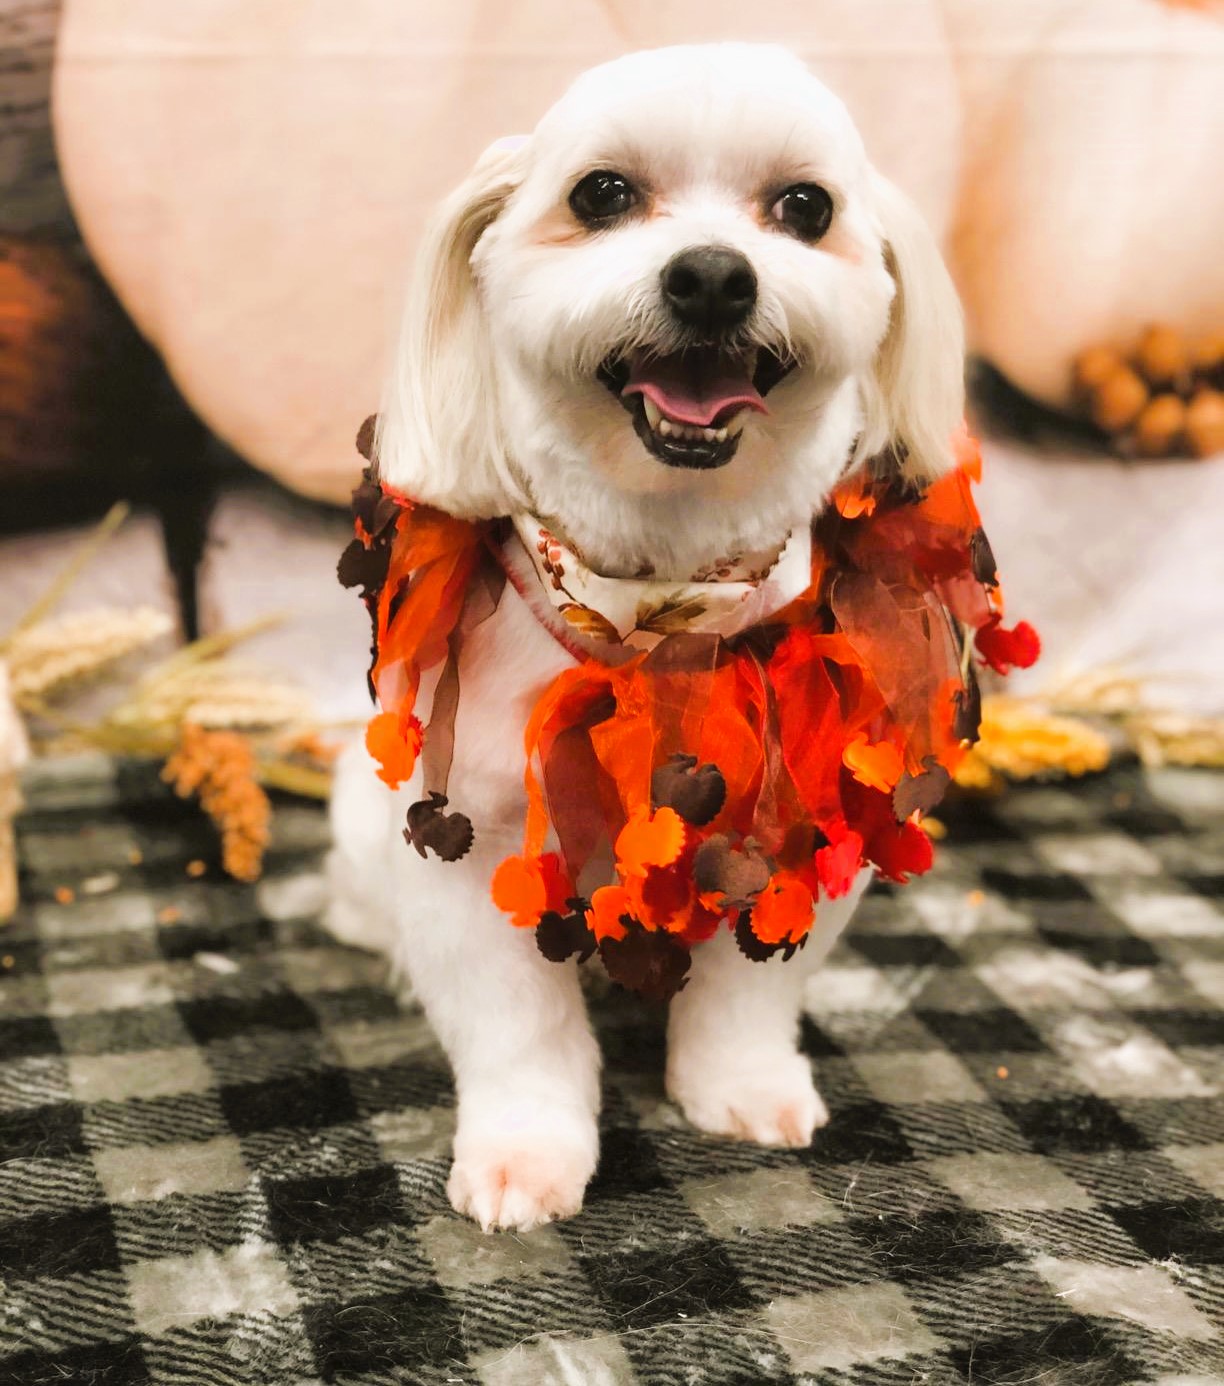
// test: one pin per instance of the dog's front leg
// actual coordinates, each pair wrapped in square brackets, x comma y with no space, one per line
[515,1028]
[733,1060]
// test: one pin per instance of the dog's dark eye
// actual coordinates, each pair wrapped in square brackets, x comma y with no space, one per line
[805,210]
[601,196]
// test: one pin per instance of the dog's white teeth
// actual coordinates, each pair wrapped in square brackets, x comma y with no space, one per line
[669,428]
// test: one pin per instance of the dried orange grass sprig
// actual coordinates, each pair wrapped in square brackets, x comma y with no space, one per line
[219,768]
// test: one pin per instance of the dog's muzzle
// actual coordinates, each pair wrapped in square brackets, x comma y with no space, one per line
[688,406]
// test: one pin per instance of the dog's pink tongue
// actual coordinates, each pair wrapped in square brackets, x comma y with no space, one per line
[693,387]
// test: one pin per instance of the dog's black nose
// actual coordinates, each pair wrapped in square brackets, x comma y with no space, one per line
[710,287]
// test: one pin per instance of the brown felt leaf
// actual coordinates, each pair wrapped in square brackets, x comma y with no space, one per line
[652,964]
[696,793]
[560,936]
[362,567]
[920,792]
[365,437]
[386,512]
[968,717]
[365,499]
[982,558]
[737,875]
[448,835]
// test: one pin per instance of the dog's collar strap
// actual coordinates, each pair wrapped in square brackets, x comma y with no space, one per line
[715,774]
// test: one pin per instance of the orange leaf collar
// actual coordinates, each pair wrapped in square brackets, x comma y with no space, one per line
[735,780]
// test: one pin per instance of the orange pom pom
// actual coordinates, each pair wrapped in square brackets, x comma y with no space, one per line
[879,765]
[649,840]
[782,912]
[394,741]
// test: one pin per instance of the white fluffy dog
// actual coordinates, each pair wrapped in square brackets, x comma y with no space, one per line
[711,201]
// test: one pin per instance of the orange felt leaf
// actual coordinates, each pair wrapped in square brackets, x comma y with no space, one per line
[394,741]
[879,765]
[608,905]
[782,912]
[854,499]
[527,886]
[518,888]
[649,840]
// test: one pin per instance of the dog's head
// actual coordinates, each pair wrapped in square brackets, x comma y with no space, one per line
[673,315]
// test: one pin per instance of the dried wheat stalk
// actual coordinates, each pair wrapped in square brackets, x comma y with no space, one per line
[57,656]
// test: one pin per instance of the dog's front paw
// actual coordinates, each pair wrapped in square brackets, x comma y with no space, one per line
[516,1169]
[772,1101]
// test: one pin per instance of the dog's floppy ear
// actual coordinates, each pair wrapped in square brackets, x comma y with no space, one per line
[438,439]
[915,398]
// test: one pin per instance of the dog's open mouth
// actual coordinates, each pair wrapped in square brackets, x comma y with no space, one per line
[688,407]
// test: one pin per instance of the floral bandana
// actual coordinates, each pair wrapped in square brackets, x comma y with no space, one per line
[736,592]
[721,753]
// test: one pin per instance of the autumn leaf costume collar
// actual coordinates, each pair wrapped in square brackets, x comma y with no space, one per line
[719,753]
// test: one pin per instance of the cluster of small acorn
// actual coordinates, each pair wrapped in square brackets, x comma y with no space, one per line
[1163,398]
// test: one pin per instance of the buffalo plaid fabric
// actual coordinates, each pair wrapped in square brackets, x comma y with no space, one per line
[223,1142]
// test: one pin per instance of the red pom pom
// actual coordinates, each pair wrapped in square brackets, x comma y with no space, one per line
[1005,649]
[902,853]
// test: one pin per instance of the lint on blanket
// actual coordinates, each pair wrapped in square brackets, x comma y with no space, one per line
[723,752]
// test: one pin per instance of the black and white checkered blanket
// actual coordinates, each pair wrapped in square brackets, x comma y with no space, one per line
[223,1144]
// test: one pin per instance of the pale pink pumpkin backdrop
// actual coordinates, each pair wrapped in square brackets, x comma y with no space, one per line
[251,179]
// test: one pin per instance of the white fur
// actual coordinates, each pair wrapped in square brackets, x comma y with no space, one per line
[494,406]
